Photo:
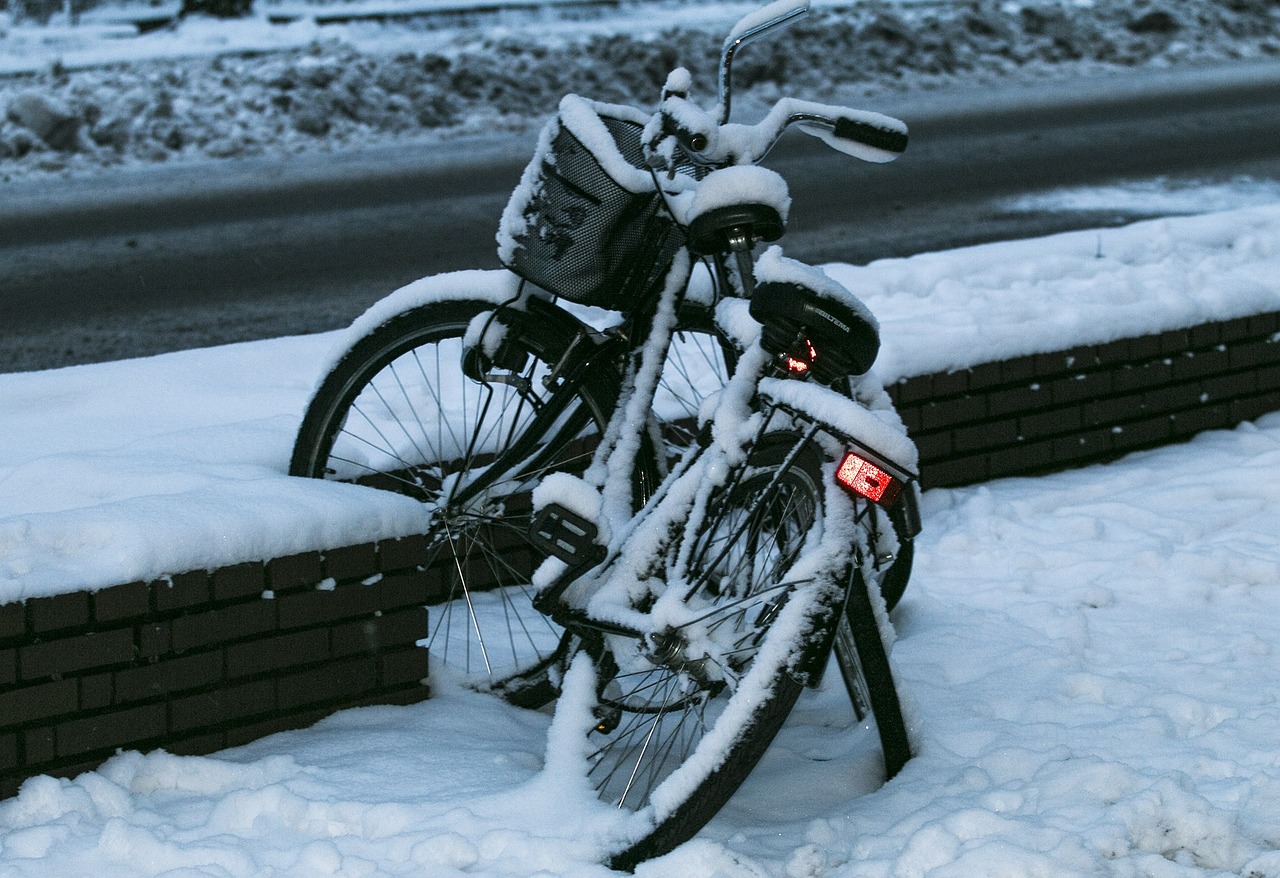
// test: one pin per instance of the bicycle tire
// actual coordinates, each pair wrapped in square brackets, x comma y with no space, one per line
[711,717]
[397,398]
[699,362]
[868,677]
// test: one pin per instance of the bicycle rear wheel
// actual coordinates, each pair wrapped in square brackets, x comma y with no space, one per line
[868,677]
[398,413]
[705,700]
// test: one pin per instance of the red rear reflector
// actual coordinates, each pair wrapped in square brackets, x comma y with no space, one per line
[865,479]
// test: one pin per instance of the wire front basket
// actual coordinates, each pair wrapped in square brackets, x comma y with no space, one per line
[586,222]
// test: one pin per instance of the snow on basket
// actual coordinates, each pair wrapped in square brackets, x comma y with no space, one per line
[586,221]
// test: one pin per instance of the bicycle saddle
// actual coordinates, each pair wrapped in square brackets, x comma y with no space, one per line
[709,233]
[840,340]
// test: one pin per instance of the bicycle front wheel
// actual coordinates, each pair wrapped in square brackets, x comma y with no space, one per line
[706,699]
[399,413]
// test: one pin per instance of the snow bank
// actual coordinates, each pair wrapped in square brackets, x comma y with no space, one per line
[142,468]
[1089,661]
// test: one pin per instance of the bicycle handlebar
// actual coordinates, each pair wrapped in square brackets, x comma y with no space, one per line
[870,136]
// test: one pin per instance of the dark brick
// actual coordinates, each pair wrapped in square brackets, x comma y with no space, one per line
[272,653]
[406,589]
[1114,353]
[182,590]
[224,705]
[200,630]
[1206,335]
[58,612]
[1107,412]
[951,412]
[1050,423]
[352,562]
[1175,341]
[1152,374]
[1266,378]
[1233,330]
[1264,324]
[165,678]
[122,602]
[1200,364]
[33,704]
[1017,370]
[1140,434]
[1228,387]
[9,784]
[155,639]
[984,376]
[1085,445]
[416,692]
[953,473]
[949,383]
[8,666]
[991,434]
[1254,406]
[198,744]
[933,446]
[1172,398]
[294,571]
[1206,417]
[39,745]
[252,731]
[239,581]
[910,390]
[1145,347]
[13,621]
[325,606]
[95,691]
[376,634]
[93,650]
[349,678]
[402,667]
[1254,353]
[8,751]
[402,553]
[1049,366]
[108,731]
[1017,400]
[1081,386]
[910,418]
[1022,459]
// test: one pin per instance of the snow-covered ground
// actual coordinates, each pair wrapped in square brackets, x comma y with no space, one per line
[83,98]
[1089,660]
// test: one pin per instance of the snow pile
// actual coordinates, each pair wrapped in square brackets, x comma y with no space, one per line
[1089,661]
[142,468]
[217,89]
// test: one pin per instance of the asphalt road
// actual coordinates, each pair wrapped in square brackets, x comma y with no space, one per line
[146,260]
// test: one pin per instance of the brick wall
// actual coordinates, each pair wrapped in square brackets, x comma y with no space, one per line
[209,659]
[1037,414]
[206,660]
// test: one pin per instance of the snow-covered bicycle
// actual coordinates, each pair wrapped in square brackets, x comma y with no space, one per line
[647,475]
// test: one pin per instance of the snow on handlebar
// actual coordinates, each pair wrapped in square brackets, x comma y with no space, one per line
[870,136]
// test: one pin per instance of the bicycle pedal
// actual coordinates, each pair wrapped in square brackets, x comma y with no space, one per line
[565,534]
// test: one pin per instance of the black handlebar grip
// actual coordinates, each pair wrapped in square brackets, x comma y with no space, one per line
[871,135]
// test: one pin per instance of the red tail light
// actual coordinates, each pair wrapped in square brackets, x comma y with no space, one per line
[865,479]
[802,361]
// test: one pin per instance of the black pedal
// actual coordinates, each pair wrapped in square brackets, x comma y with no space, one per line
[565,534]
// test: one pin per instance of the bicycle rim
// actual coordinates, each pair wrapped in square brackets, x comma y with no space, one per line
[708,701]
[397,413]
